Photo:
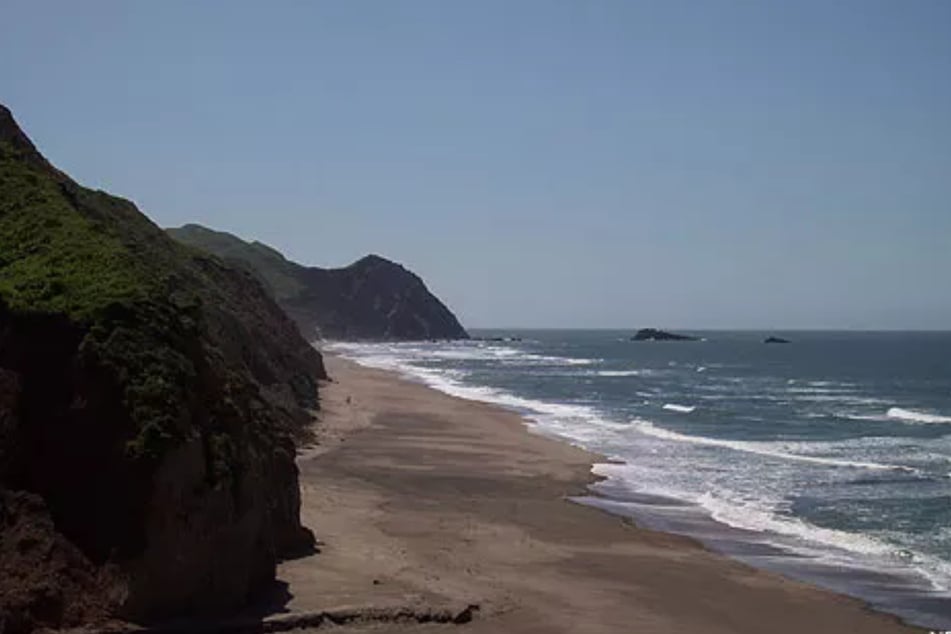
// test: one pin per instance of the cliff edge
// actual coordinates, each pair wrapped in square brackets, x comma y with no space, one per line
[150,400]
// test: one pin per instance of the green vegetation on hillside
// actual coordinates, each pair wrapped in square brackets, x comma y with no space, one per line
[57,261]
[69,266]
[265,263]
[143,300]
[150,399]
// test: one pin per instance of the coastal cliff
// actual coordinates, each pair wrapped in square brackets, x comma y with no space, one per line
[150,401]
[373,298]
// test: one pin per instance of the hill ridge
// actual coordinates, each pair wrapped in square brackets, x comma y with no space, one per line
[372,298]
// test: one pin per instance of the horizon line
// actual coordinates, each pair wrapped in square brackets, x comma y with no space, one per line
[718,329]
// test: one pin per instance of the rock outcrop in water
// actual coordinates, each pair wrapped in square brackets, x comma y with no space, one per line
[373,298]
[775,340]
[150,399]
[652,334]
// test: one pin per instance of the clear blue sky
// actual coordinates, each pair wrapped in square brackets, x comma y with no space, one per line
[592,164]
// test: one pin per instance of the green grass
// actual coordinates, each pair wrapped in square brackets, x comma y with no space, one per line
[53,259]
[170,326]
[277,274]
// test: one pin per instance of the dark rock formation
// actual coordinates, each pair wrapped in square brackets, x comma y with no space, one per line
[150,399]
[652,334]
[775,340]
[372,298]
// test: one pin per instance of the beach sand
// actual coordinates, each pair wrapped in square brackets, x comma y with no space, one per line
[426,504]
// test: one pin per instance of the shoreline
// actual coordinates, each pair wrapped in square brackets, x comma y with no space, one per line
[903,585]
[426,501]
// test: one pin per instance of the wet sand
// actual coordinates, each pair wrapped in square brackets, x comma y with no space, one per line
[426,504]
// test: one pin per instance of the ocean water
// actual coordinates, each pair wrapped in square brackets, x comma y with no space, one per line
[827,459]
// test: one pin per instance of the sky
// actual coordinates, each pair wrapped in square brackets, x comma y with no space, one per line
[703,164]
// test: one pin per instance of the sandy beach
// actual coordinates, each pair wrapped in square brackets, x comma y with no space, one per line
[427,504]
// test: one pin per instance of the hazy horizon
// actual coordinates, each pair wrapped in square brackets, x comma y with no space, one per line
[610,165]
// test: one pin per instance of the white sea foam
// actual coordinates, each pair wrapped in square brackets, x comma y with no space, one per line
[767,449]
[876,418]
[683,409]
[820,390]
[751,516]
[541,359]
[918,459]
[838,398]
[893,414]
[830,546]
[461,351]
[755,517]
[575,422]
[586,426]
[911,416]
[505,355]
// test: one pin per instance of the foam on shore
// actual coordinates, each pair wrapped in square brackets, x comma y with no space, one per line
[911,416]
[590,428]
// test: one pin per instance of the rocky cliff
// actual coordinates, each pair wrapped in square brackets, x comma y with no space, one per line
[150,399]
[372,298]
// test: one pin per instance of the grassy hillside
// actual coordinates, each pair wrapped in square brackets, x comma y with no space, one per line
[279,275]
[96,260]
[71,266]
[150,398]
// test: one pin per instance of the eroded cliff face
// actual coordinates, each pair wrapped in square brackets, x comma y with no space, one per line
[150,401]
[46,579]
[373,298]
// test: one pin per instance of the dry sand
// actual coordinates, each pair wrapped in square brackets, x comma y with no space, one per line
[425,502]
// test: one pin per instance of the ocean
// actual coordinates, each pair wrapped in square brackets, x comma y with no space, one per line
[827,459]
